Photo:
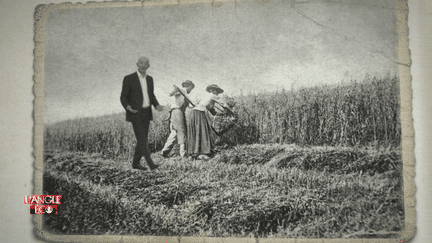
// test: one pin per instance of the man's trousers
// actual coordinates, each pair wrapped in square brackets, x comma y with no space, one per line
[141,129]
[177,132]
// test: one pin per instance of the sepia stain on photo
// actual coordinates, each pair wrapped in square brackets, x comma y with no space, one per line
[245,121]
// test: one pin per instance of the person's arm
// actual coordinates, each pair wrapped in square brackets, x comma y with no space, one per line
[175,91]
[124,96]
[152,96]
[220,101]
[224,104]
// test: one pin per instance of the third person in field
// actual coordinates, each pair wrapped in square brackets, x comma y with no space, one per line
[178,118]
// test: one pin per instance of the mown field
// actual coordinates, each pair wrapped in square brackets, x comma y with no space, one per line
[258,190]
[315,162]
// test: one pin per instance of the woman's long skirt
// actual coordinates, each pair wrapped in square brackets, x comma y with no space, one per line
[198,134]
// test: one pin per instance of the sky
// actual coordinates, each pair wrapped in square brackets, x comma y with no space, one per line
[242,46]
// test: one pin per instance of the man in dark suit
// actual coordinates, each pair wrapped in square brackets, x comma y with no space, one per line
[137,97]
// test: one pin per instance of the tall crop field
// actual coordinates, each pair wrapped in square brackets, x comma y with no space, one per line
[357,113]
[109,135]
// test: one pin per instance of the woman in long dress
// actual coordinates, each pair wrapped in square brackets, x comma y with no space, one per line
[199,143]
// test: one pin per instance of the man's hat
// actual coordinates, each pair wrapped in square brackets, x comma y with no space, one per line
[212,87]
[187,83]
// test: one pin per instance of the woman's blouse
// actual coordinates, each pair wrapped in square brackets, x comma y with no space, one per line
[208,102]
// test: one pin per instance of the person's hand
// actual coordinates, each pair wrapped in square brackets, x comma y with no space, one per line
[228,110]
[160,108]
[129,108]
[174,91]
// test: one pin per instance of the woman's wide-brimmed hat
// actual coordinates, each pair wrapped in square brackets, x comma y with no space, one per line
[212,87]
[187,83]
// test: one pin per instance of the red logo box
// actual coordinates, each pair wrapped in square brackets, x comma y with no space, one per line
[43,204]
[43,209]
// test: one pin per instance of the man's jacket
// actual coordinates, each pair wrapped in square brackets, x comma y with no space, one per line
[132,95]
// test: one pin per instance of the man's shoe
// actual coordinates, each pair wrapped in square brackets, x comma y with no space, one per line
[164,154]
[139,167]
[154,167]
[203,157]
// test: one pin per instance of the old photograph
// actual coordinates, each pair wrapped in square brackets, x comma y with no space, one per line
[249,120]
